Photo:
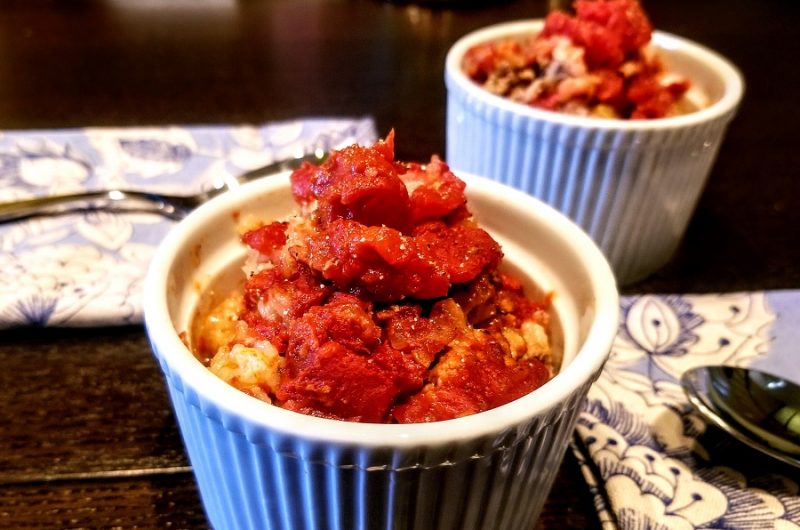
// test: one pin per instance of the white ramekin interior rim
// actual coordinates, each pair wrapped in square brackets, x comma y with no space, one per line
[730,77]
[187,372]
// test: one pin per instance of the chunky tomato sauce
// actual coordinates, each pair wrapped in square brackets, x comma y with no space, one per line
[381,301]
[597,62]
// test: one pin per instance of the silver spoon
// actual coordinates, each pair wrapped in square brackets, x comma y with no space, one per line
[759,409]
[121,200]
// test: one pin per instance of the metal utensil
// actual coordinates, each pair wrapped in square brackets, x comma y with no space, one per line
[121,200]
[759,409]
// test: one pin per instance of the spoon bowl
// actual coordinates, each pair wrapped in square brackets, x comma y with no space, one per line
[759,409]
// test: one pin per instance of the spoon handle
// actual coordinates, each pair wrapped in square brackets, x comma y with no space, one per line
[172,206]
[110,200]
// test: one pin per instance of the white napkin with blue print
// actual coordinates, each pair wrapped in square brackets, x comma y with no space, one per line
[650,460]
[87,269]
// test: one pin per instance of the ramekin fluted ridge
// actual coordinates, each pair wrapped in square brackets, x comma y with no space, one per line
[318,485]
[632,185]
[260,466]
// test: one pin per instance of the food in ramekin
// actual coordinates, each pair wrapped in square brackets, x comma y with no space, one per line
[380,301]
[598,63]
[261,466]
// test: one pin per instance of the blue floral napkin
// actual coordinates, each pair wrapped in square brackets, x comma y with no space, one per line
[86,269]
[650,460]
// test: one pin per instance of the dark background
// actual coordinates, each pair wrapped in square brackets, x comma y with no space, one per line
[74,64]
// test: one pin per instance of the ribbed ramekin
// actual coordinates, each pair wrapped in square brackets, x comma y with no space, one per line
[631,184]
[259,466]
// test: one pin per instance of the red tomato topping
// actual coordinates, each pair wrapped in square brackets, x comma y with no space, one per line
[472,376]
[266,239]
[436,193]
[589,64]
[272,302]
[378,261]
[463,251]
[339,383]
[356,183]
[383,301]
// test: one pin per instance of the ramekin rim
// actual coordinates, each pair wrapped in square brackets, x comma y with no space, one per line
[178,361]
[725,105]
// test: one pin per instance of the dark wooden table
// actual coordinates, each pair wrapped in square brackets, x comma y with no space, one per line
[87,438]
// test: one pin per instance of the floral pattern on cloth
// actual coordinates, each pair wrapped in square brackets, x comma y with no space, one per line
[650,460]
[87,268]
